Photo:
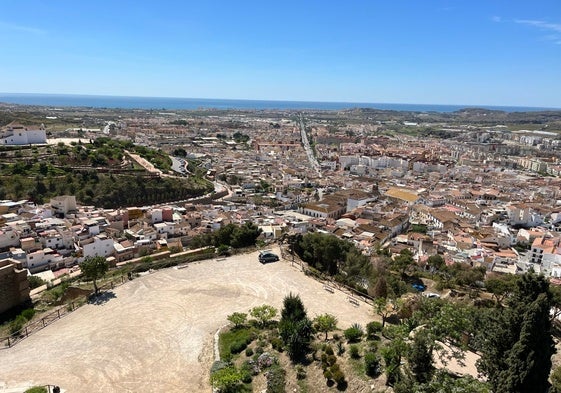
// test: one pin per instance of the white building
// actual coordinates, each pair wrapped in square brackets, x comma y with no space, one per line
[17,134]
[42,259]
[8,237]
[99,245]
[63,204]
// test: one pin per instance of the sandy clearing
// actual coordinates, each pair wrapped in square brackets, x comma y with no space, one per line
[156,334]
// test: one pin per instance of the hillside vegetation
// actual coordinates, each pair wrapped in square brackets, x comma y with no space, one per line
[100,173]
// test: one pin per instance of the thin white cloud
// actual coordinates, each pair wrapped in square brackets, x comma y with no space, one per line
[21,28]
[556,27]
[497,19]
[553,28]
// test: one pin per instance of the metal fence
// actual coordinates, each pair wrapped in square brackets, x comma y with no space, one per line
[35,326]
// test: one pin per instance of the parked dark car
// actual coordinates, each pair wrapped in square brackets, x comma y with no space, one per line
[268,256]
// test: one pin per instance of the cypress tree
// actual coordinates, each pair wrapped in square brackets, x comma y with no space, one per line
[519,346]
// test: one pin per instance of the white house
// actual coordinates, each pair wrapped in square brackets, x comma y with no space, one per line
[8,237]
[99,245]
[42,259]
[18,134]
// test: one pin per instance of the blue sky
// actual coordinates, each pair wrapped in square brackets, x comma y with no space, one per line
[492,52]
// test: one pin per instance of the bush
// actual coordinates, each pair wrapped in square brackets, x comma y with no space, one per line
[17,324]
[218,365]
[338,376]
[36,389]
[301,372]
[328,350]
[28,314]
[354,333]
[371,364]
[354,351]
[336,337]
[373,328]
[340,348]
[276,380]
[276,343]
[35,282]
[331,360]
[249,352]
[237,347]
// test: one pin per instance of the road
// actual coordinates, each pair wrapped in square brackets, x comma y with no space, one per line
[309,152]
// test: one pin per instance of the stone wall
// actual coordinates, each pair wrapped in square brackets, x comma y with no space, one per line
[14,286]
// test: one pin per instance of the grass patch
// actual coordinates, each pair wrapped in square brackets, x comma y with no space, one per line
[303,386]
[233,339]
[357,365]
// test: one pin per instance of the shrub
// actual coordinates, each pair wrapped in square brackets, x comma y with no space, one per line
[354,333]
[327,374]
[28,314]
[338,376]
[17,324]
[35,281]
[354,351]
[336,337]
[246,376]
[328,350]
[301,372]
[331,360]
[276,343]
[218,365]
[371,364]
[266,360]
[275,380]
[323,360]
[340,348]
[36,389]
[249,352]
[259,351]
[237,347]
[373,328]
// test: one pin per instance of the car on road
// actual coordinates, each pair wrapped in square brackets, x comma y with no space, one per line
[268,256]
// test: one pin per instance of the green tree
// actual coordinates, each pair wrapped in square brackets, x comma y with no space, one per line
[435,262]
[516,355]
[263,313]
[295,327]
[323,252]
[325,323]
[35,281]
[501,287]
[238,319]
[402,261]
[384,307]
[392,353]
[357,266]
[419,357]
[94,268]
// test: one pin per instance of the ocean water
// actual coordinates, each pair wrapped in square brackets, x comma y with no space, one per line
[163,103]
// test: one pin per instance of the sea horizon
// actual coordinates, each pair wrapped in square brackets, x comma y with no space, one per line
[179,103]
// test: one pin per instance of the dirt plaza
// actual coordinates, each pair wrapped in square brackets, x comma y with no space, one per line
[155,333]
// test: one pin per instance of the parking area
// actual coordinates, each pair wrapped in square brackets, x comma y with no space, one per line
[156,333]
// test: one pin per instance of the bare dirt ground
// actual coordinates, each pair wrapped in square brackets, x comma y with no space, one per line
[156,333]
